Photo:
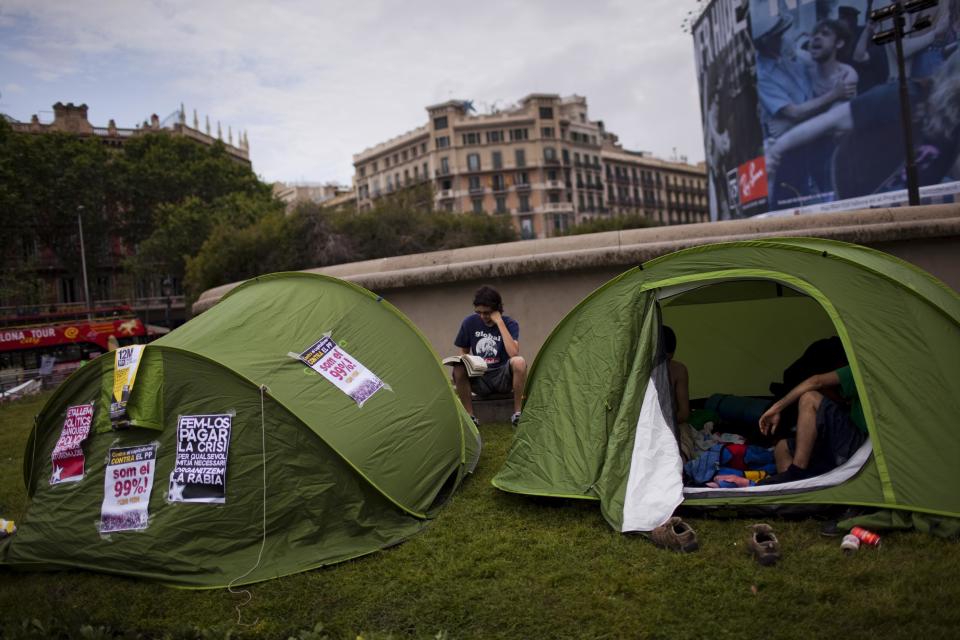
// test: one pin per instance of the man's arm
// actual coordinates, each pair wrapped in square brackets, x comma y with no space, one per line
[511,345]
[771,417]
[682,392]
[800,112]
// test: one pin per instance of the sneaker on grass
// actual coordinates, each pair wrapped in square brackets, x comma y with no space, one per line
[515,418]
[676,535]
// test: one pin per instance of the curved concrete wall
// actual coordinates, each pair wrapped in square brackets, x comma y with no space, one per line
[541,280]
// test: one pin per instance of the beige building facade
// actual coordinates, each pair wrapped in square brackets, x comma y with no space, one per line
[543,162]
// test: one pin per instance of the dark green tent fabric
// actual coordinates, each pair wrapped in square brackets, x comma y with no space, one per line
[312,477]
[743,311]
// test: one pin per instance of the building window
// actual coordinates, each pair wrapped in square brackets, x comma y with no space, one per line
[389,184]
[471,138]
[413,151]
[444,166]
[497,159]
[363,172]
[443,142]
[416,172]
[440,122]
[386,162]
[374,167]
[518,134]
[554,197]
[423,147]
[549,154]
[494,136]
[560,222]
[473,162]
[426,171]
[576,158]
[521,157]
[580,201]
[446,185]
[526,228]
[551,174]
[524,204]
[546,113]
[475,183]
[478,205]
[498,182]
[404,155]
[522,177]
[566,156]
[546,132]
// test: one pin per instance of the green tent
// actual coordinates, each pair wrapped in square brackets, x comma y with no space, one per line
[597,420]
[310,470]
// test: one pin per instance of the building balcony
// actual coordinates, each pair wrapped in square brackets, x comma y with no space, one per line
[557,207]
[439,173]
[477,191]
[554,184]
[445,194]
[523,186]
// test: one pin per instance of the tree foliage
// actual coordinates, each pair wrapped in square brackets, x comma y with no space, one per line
[315,237]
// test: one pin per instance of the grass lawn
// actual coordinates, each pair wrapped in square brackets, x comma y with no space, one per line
[495,565]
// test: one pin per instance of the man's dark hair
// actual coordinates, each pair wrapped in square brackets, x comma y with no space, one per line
[488,297]
[669,340]
[839,29]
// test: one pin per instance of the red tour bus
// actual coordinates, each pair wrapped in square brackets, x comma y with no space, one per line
[66,338]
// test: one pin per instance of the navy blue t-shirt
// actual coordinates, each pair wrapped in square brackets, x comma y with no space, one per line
[485,341]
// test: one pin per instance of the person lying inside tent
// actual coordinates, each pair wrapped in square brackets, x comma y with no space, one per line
[828,432]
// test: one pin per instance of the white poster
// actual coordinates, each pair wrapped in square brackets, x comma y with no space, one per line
[127,483]
[200,472]
[339,367]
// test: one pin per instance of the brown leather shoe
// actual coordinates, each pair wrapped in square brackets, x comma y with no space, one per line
[676,535]
[763,544]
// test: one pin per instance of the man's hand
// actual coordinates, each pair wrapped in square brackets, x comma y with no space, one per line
[769,421]
[496,316]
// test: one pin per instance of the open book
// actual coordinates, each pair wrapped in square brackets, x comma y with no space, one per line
[476,366]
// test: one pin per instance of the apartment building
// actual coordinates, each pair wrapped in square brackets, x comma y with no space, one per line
[543,162]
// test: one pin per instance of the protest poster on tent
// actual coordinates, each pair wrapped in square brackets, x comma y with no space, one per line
[127,483]
[67,456]
[344,371]
[125,365]
[200,471]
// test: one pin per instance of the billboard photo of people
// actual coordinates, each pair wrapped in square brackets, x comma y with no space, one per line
[828,107]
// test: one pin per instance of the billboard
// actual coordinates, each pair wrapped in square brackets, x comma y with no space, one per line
[801,110]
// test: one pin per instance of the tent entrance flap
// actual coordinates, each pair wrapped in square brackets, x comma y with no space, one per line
[655,483]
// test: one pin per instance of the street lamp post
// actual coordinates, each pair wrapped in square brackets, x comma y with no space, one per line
[83,263]
[897,10]
[167,290]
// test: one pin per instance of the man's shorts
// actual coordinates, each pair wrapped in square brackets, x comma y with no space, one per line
[499,380]
[838,438]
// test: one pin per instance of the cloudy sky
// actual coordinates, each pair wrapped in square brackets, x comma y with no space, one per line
[313,82]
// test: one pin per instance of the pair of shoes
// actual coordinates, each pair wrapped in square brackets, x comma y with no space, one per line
[792,474]
[676,535]
[763,544]
[515,419]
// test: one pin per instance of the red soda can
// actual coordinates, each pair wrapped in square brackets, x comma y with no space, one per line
[866,537]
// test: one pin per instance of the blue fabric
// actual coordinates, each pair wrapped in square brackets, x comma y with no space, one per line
[702,469]
[485,341]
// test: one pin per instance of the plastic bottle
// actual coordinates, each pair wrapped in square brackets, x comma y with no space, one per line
[866,537]
[850,544]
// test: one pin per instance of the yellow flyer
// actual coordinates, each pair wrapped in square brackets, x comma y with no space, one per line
[125,365]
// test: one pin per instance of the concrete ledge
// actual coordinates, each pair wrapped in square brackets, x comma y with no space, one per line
[493,409]
[623,249]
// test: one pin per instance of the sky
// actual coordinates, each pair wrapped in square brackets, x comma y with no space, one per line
[314,82]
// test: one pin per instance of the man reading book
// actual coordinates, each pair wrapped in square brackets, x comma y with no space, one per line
[494,337]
